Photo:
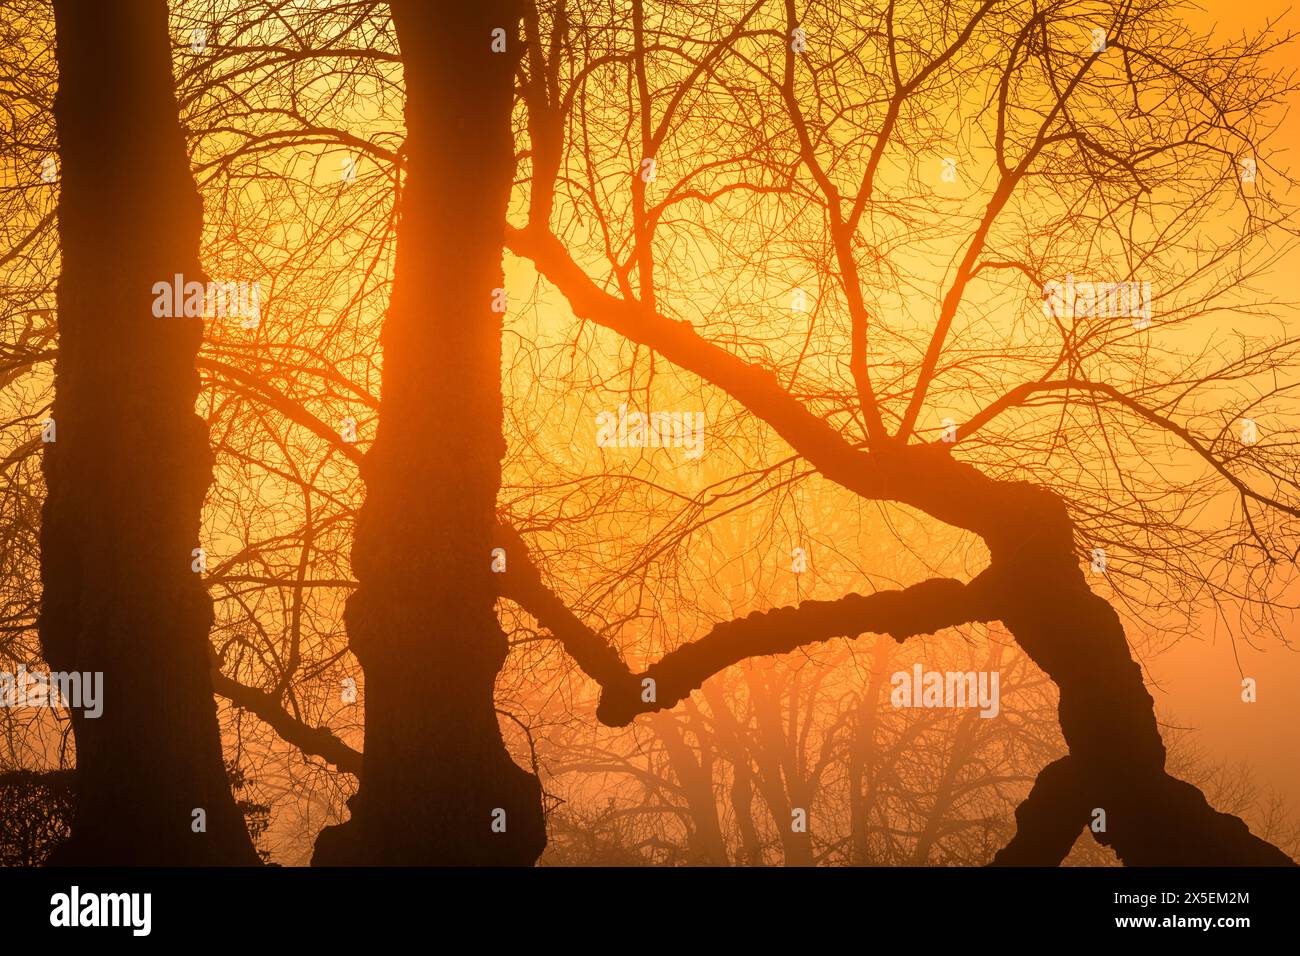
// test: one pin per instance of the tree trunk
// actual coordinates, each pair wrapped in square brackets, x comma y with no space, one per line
[739,742]
[437,784]
[781,778]
[705,842]
[130,465]
[1117,757]
[863,756]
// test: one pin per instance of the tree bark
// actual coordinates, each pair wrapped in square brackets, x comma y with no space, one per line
[435,774]
[130,465]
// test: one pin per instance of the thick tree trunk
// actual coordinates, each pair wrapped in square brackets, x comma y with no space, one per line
[437,784]
[130,465]
[1117,758]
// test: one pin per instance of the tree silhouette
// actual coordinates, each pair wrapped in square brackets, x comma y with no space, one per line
[422,622]
[753,128]
[834,230]
[129,466]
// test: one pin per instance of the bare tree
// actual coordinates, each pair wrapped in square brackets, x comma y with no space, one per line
[793,150]
[751,123]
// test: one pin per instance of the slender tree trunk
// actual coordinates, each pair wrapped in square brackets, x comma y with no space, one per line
[130,465]
[781,778]
[863,758]
[945,790]
[739,741]
[742,804]
[706,843]
[437,784]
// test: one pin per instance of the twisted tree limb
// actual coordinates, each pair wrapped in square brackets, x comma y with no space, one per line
[1034,580]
